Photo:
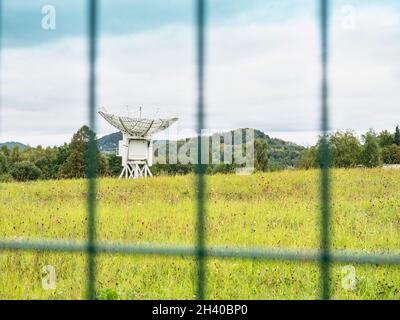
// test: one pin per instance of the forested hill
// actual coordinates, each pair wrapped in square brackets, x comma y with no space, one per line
[281,154]
[12,144]
[109,143]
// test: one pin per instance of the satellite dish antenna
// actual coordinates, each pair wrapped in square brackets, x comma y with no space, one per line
[136,146]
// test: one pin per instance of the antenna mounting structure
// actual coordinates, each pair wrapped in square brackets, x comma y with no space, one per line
[136,146]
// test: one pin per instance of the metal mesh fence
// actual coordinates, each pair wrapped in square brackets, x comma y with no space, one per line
[324,256]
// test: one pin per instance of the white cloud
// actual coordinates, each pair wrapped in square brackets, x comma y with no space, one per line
[365,70]
[259,74]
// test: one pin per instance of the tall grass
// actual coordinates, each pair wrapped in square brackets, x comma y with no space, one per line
[279,209]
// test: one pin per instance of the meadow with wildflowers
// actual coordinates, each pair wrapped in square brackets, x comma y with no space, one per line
[262,210]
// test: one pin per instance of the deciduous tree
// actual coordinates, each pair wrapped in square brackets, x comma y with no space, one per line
[371,153]
[345,148]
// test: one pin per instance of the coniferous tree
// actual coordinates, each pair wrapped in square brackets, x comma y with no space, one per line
[75,166]
[397,136]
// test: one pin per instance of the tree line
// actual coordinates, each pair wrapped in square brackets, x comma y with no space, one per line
[347,151]
[70,161]
[67,161]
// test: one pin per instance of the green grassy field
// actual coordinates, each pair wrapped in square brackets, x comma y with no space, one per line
[279,210]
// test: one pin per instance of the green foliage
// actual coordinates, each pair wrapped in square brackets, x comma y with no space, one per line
[371,153]
[75,165]
[62,154]
[391,154]
[309,158]
[281,154]
[66,161]
[345,149]
[221,168]
[6,177]
[5,150]
[3,164]
[102,165]
[385,139]
[261,159]
[46,163]
[173,169]
[261,155]
[25,171]
[397,136]
[69,160]
[107,294]
[15,155]
[114,164]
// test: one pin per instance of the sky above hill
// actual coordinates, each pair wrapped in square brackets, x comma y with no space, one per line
[262,67]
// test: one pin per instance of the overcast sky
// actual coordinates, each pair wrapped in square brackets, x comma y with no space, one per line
[262,66]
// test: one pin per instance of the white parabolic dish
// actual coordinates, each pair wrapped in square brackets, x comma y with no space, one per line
[136,146]
[137,127]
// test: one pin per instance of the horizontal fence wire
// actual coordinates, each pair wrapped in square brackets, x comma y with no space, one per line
[292,255]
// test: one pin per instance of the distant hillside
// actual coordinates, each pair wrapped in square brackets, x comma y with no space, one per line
[12,144]
[109,143]
[282,154]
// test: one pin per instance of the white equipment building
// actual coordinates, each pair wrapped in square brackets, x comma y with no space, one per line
[136,146]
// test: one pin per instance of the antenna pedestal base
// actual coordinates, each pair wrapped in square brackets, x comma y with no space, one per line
[135,170]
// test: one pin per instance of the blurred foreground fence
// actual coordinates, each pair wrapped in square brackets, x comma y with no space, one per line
[324,256]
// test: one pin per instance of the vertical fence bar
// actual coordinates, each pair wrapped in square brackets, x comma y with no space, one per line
[1,38]
[200,168]
[325,259]
[91,153]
